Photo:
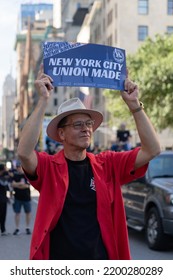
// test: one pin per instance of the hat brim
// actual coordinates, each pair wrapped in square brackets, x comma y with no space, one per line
[52,128]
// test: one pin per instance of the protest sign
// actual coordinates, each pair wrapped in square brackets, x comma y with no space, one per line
[84,65]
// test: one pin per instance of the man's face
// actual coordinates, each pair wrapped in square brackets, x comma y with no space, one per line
[75,135]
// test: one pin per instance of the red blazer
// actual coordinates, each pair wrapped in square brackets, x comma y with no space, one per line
[111,170]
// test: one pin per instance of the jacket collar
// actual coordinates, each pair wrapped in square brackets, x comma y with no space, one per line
[59,158]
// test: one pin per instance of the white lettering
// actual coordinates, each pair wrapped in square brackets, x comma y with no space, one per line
[97,63]
[112,65]
[106,64]
[108,74]
[60,61]
[96,72]
[88,62]
[78,61]
[70,71]
[84,62]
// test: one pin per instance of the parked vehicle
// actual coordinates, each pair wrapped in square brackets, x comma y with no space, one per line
[149,202]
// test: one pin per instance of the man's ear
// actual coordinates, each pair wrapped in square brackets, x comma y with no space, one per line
[61,133]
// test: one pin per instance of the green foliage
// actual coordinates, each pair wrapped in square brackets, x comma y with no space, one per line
[119,111]
[151,68]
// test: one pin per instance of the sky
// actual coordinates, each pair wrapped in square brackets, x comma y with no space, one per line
[9,12]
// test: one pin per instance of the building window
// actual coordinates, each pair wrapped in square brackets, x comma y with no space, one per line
[170,7]
[97,33]
[103,4]
[109,40]
[142,7]
[109,18]
[170,29]
[104,24]
[55,89]
[116,11]
[142,32]
[97,96]
[55,101]
[115,35]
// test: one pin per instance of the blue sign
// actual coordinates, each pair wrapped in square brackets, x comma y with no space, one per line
[84,65]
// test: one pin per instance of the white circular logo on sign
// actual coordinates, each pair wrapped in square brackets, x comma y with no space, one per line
[118,55]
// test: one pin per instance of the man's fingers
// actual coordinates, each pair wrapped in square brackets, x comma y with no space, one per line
[126,84]
[129,86]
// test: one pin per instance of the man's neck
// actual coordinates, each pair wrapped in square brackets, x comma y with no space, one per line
[75,155]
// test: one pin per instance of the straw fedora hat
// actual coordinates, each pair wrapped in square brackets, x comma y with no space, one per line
[69,107]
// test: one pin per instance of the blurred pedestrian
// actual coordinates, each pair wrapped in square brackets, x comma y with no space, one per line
[123,138]
[4,188]
[51,146]
[80,214]
[22,198]
[96,149]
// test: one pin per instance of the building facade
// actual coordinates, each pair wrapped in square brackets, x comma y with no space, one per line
[8,101]
[125,24]
[117,23]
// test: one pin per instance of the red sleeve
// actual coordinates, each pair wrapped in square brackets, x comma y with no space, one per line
[125,166]
[120,165]
[36,181]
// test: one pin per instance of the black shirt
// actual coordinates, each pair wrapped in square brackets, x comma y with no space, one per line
[21,194]
[123,135]
[77,234]
[4,187]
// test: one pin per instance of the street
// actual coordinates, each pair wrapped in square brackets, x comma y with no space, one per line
[17,247]
[140,250]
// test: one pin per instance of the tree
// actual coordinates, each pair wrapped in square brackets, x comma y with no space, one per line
[151,68]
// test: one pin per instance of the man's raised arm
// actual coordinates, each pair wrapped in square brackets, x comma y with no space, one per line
[31,131]
[150,146]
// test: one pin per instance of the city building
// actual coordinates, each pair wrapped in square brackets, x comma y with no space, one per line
[115,23]
[37,11]
[36,26]
[124,24]
[8,101]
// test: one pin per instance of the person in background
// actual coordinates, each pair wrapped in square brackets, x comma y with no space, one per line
[51,146]
[96,149]
[22,198]
[4,188]
[123,137]
[80,214]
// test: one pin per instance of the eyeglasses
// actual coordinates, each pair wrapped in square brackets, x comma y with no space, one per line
[80,124]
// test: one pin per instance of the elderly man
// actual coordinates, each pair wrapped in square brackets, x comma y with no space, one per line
[80,213]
